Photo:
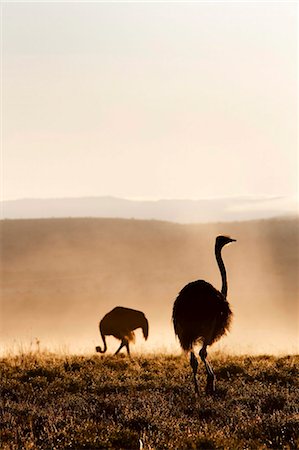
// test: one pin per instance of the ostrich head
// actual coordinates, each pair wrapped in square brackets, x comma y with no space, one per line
[221,241]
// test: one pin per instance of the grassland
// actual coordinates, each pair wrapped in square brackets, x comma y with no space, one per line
[74,402]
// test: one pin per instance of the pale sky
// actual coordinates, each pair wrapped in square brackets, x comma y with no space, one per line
[149,100]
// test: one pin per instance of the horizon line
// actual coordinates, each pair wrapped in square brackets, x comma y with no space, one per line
[157,199]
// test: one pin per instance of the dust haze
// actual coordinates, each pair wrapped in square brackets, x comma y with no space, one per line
[59,277]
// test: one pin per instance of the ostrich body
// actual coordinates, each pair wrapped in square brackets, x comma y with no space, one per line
[121,323]
[202,314]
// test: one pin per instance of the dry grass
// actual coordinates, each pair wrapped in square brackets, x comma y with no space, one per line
[71,402]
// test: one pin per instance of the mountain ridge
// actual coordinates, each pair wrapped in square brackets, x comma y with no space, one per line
[174,210]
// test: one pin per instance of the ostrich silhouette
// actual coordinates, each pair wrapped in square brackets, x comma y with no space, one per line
[202,314]
[121,323]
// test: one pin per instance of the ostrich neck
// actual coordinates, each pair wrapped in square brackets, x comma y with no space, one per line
[222,271]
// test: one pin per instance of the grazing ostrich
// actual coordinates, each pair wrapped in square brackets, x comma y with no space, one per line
[121,323]
[202,313]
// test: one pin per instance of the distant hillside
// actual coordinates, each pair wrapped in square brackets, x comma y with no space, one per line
[182,211]
[59,276]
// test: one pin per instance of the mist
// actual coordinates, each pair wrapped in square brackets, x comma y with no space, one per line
[59,277]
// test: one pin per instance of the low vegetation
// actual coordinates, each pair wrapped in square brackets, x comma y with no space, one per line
[74,402]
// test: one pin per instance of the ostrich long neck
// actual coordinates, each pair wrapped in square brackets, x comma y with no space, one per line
[222,270]
[105,345]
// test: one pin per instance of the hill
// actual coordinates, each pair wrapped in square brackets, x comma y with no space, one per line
[60,276]
[174,210]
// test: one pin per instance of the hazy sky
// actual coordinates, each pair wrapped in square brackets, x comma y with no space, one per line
[149,100]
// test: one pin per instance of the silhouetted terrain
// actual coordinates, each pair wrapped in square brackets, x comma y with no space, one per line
[176,210]
[60,276]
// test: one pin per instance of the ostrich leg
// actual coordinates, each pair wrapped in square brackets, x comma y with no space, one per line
[123,343]
[128,349]
[211,379]
[194,365]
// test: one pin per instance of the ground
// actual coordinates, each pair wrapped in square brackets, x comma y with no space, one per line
[52,401]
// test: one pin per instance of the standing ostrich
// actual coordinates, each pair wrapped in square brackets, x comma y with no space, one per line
[202,313]
[121,323]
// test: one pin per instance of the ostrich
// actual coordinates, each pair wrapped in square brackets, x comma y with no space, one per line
[202,314]
[121,323]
